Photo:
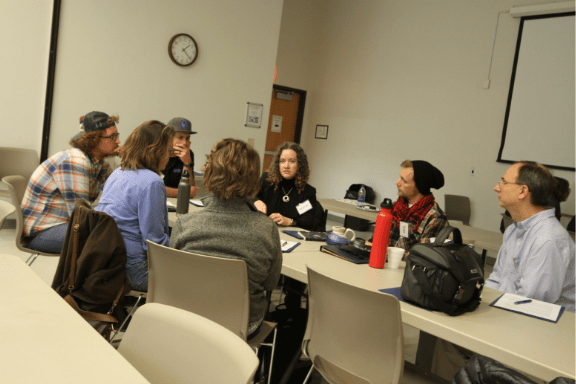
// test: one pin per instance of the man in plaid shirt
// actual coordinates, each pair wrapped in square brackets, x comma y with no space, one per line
[78,172]
[416,215]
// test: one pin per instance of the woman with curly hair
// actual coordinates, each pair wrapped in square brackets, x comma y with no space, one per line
[135,196]
[285,194]
[229,225]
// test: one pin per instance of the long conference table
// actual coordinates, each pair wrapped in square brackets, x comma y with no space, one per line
[539,348]
[43,340]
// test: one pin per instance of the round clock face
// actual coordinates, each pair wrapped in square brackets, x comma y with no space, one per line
[182,49]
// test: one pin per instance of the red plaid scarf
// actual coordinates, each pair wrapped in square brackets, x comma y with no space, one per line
[416,213]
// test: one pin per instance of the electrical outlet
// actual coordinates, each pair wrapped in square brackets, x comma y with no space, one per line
[251,142]
[472,171]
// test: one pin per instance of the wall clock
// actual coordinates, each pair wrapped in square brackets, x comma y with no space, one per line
[183,49]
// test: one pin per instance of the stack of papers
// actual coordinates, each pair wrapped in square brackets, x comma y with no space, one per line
[529,307]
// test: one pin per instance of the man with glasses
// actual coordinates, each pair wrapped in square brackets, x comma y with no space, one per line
[181,158]
[536,259]
[78,172]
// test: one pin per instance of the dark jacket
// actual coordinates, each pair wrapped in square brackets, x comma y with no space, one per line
[100,261]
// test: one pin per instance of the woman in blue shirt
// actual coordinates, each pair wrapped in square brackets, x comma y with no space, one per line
[135,196]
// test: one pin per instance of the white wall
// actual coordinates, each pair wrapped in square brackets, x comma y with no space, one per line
[398,80]
[25,40]
[113,57]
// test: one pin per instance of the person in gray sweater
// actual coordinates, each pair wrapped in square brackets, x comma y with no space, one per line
[230,226]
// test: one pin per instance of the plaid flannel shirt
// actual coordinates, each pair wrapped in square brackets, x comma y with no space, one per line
[56,184]
[429,227]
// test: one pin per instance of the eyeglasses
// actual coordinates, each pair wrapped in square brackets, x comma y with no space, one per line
[113,137]
[504,182]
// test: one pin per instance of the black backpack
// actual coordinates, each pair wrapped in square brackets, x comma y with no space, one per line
[446,277]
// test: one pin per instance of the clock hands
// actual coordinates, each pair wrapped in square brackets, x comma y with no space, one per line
[183,49]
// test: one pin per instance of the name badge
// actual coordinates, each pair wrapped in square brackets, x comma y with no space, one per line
[304,207]
[403,229]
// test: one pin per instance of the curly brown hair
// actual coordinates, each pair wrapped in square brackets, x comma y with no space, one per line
[146,146]
[232,170]
[302,173]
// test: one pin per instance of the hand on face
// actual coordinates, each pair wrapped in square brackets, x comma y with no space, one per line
[182,152]
[182,146]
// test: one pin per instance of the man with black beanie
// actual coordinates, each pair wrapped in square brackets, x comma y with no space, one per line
[416,215]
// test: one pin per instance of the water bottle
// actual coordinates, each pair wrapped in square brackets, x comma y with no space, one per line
[183,193]
[381,235]
[362,194]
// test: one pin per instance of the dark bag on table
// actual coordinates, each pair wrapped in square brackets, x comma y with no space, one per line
[445,277]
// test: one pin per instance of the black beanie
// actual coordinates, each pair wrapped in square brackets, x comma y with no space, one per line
[427,176]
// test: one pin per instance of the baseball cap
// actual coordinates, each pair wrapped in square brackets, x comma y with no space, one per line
[181,124]
[93,121]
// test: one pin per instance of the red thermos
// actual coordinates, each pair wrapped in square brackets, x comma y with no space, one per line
[381,235]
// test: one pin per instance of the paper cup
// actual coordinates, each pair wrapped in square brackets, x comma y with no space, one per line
[395,257]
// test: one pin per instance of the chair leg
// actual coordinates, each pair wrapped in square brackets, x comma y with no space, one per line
[126,319]
[272,355]
[33,257]
[309,373]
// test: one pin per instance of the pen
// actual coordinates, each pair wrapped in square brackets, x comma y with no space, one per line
[284,243]
[523,302]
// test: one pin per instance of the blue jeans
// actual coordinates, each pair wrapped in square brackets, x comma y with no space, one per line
[138,276]
[50,240]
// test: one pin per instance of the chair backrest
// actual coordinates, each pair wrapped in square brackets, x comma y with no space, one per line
[170,345]
[213,287]
[457,207]
[353,334]
[16,188]
[6,209]
[18,161]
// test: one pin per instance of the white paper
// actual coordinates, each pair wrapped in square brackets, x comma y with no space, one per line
[535,308]
[276,124]
[349,201]
[197,202]
[170,204]
[286,245]
[304,207]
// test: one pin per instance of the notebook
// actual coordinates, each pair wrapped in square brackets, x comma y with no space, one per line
[347,252]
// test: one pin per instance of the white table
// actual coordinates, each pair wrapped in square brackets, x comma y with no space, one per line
[539,348]
[43,340]
[483,239]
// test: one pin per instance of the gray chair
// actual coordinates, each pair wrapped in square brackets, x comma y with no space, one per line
[17,161]
[213,287]
[457,207]
[6,209]
[16,188]
[353,335]
[170,345]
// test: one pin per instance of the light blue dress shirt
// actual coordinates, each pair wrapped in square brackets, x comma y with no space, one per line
[536,260]
[137,202]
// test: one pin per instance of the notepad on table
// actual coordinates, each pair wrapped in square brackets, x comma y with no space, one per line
[197,202]
[288,246]
[529,307]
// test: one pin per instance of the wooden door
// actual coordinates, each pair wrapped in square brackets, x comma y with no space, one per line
[282,123]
